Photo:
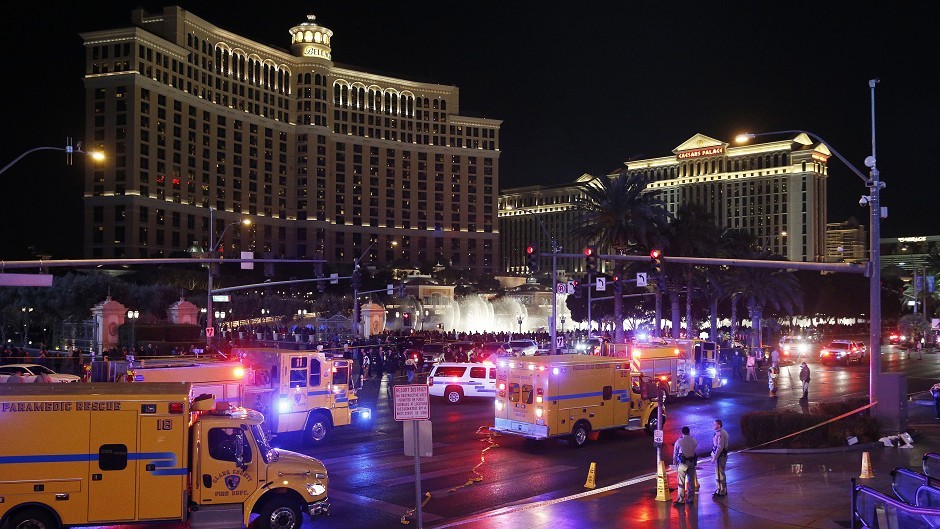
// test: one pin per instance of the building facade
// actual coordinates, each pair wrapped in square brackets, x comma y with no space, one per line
[846,242]
[326,161]
[775,191]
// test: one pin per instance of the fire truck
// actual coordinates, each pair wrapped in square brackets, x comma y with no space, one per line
[681,366]
[541,397]
[300,391]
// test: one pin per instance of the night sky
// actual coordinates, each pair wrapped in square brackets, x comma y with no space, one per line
[580,87]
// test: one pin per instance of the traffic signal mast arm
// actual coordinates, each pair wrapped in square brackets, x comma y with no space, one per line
[756,263]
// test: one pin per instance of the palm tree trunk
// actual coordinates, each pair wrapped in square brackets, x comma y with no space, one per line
[754,311]
[734,316]
[676,312]
[713,319]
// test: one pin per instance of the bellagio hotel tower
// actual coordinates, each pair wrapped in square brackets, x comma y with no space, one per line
[325,160]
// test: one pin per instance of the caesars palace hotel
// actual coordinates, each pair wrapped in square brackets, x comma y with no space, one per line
[774,190]
[323,159]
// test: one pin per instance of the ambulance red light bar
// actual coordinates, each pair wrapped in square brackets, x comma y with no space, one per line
[176,407]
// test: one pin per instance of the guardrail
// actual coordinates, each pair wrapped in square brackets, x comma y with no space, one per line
[917,505]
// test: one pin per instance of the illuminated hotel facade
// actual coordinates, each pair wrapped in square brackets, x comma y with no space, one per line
[325,160]
[775,191]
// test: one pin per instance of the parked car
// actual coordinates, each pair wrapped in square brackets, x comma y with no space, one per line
[456,380]
[433,352]
[31,371]
[843,352]
[894,338]
[524,347]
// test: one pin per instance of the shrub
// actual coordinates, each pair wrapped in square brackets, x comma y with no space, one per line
[761,427]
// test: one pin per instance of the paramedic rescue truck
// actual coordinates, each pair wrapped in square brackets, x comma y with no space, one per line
[131,453]
[681,366]
[570,395]
[300,391]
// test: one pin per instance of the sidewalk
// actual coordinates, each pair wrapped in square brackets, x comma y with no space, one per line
[809,489]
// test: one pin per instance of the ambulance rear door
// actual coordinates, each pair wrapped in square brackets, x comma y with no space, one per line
[112,487]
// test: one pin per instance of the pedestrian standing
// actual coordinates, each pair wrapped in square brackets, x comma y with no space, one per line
[920,349]
[804,378]
[720,457]
[685,461]
[751,368]
[775,358]
[411,367]
[736,365]
[935,393]
[772,381]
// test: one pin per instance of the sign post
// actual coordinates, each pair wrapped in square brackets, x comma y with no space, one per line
[413,403]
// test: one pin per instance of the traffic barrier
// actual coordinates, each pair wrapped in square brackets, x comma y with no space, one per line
[662,483]
[589,484]
[866,466]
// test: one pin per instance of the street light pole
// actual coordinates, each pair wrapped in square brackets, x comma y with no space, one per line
[68,149]
[212,249]
[874,257]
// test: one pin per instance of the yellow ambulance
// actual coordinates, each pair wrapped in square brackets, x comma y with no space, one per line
[681,367]
[310,392]
[573,395]
[106,453]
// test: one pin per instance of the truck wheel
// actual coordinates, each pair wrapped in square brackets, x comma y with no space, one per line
[580,433]
[279,513]
[317,429]
[453,394]
[33,519]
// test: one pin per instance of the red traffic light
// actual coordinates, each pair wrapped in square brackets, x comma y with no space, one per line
[530,249]
[589,251]
[655,254]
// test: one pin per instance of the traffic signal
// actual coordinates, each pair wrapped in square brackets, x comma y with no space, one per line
[577,289]
[214,266]
[532,258]
[321,286]
[318,272]
[406,319]
[656,256]
[269,267]
[389,289]
[401,290]
[618,279]
[590,260]
[356,279]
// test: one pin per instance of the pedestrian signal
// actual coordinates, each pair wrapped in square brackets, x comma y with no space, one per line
[532,258]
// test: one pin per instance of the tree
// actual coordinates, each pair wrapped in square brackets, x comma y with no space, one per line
[765,287]
[693,233]
[618,211]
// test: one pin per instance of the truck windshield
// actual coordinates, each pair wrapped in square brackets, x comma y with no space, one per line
[264,448]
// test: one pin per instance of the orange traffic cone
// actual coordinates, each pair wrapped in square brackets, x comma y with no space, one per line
[866,466]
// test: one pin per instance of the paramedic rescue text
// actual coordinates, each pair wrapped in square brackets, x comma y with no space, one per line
[59,406]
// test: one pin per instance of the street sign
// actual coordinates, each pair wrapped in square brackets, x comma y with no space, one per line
[425,442]
[25,280]
[641,279]
[601,283]
[412,402]
[561,288]
[210,332]
[658,436]
[559,341]
[334,279]
[221,298]
[248,265]
[389,289]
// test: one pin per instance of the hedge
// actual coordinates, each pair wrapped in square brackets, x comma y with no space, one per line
[761,427]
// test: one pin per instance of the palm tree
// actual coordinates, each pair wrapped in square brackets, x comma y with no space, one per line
[693,234]
[733,243]
[766,287]
[618,212]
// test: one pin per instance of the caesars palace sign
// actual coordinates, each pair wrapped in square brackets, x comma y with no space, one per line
[698,153]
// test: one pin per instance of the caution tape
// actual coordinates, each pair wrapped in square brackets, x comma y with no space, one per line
[404,518]
[475,475]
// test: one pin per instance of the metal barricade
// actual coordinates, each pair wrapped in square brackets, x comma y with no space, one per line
[905,482]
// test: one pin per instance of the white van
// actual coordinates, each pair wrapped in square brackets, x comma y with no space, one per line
[456,380]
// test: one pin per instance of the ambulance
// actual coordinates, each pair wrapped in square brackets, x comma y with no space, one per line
[221,378]
[310,392]
[106,453]
[682,367]
[571,396]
